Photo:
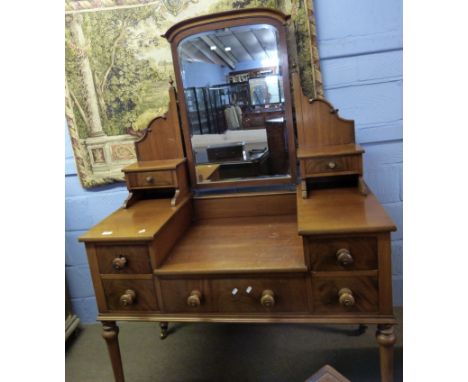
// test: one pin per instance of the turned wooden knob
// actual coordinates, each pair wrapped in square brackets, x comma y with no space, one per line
[149,179]
[119,263]
[128,298]
[346,297]
[268,298]
[194,299]
[343,257]
[331,165]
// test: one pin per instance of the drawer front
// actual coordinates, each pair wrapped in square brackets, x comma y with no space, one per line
[144,297]
[340,254]
[267,295]
[149,179]
[347,163]
[123,259]
[364,292]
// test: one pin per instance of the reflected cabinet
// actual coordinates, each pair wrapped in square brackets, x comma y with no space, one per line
[219,225]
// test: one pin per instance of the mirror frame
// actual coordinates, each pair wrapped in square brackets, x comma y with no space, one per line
[221,20]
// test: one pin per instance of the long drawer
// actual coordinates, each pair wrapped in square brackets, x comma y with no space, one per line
[257,294]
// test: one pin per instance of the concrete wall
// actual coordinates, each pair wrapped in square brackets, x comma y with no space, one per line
[360,45]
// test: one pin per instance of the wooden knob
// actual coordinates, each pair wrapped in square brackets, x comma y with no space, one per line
[346,297]
[149,179]
[194,299]
[119,263]
[128,298]
[343,257]
[331,165]
[268,298]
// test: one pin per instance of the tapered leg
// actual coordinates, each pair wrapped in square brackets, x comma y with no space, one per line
[164,326]
[386,339]
[110,332]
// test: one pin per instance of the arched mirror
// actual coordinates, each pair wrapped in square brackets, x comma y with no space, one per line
[234,96]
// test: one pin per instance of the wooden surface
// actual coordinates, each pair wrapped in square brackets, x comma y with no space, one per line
[344,164]
[341,210]
[140,222]
[163,164]
[244,244]
[162,138]
[207,172]
[325,151]
[245,204]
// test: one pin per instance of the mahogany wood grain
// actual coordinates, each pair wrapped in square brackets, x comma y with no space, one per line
[170,234]
[145,296]
[223,20]
[326,294]
[325,166]
[385,274]
[232,245]
[110,332]
[162,139]
[244,205]
[318,123]
[141,222]
[236,295]
[339,211]
[137,258]
[95,275]
[322,252]
[386,339]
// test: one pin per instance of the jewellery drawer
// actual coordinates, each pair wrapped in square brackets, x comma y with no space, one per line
[130,295]
[345,253]
[123,259]
[338,295]
[235,295]
[332,164]
[150,179]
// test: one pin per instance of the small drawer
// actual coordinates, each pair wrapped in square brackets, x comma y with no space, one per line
[338,295]
[123,259]
[340,254]
[267,295]
[150,179]
[333,164]
[130,295]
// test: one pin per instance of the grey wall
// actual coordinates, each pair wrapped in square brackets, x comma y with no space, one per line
[360,45]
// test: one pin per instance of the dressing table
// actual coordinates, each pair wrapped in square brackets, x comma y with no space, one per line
[195,244]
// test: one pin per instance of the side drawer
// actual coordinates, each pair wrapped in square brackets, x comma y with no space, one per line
[143,298]
[342,253]
[364,291]
[123,259]
[267,295]
[333,164]
[150,179]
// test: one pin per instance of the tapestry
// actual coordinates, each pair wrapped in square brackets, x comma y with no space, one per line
[118,68]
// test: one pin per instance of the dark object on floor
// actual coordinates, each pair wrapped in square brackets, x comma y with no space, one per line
[327,374]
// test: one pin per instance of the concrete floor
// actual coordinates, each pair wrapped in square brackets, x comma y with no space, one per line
[229,352]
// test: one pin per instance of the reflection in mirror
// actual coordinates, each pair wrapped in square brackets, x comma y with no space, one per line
[234,97]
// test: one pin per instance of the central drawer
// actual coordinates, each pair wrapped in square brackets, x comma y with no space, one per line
[269,294]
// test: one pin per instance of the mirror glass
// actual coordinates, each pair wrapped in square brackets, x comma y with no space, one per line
[233,88]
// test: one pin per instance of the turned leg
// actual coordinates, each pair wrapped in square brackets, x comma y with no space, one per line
[386,339]
[164,326]
[110,332]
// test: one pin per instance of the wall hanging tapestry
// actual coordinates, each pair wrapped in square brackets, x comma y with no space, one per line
[118,67]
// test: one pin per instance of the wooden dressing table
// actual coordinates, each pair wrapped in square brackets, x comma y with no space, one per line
[315,253]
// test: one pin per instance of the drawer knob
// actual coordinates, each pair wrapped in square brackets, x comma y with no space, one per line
[331,165]
[343,257]
[268,298]
[149,179]
[194,299]
[119,263]
[346,297]
[128,298]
